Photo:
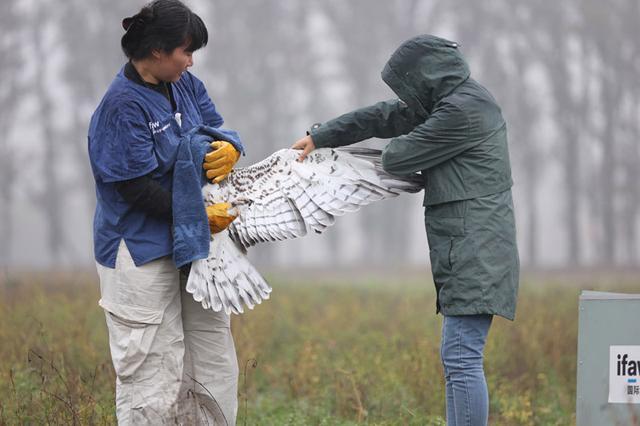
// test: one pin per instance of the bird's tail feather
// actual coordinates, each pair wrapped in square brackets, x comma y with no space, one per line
[225,280]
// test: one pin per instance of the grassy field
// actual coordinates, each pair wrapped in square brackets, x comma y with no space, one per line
[334,351]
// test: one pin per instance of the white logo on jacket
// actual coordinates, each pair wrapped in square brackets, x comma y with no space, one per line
[155,127]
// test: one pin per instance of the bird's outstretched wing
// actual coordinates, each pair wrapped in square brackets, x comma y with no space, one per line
[280,198]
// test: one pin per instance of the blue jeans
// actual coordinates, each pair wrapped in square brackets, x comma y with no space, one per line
[461,349]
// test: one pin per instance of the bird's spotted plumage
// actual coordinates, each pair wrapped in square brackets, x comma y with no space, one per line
[280,198]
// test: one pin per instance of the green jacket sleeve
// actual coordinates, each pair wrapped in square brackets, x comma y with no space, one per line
[382,120]
[441,137]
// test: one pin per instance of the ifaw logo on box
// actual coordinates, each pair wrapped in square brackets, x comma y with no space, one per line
[624,372]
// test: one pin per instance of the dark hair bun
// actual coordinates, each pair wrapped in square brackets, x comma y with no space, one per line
[140,19]
[126,23]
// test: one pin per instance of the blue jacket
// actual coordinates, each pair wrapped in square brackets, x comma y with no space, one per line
[134,132]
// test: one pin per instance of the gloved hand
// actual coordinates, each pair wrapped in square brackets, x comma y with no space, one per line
[219,162]
[219,217]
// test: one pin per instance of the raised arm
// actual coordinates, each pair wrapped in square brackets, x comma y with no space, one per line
[442,136]
[385,119]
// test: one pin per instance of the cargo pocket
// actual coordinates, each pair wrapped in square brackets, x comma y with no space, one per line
[132,330]
[445,224]
[440,263]
[445,229]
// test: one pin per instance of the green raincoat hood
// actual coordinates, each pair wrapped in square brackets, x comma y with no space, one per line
[423,70]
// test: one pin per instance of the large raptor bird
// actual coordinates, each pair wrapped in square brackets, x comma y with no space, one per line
[280,198]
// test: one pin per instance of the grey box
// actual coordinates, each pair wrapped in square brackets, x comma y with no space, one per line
[605,319]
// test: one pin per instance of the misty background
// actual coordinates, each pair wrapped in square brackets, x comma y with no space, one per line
[566,74]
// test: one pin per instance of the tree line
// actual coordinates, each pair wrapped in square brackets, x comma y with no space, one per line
[565,74]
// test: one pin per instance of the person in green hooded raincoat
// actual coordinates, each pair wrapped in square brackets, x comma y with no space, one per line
[449,128]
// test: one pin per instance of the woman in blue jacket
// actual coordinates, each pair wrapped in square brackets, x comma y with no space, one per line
[173,359]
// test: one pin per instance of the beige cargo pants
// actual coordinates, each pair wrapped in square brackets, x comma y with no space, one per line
[175,362]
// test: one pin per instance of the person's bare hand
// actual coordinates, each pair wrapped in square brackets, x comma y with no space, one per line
[306,145]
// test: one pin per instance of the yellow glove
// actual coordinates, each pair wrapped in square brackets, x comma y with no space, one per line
[219,217]
[219,162]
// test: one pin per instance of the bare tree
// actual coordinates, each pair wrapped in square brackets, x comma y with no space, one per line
[52,197]
[9,89]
